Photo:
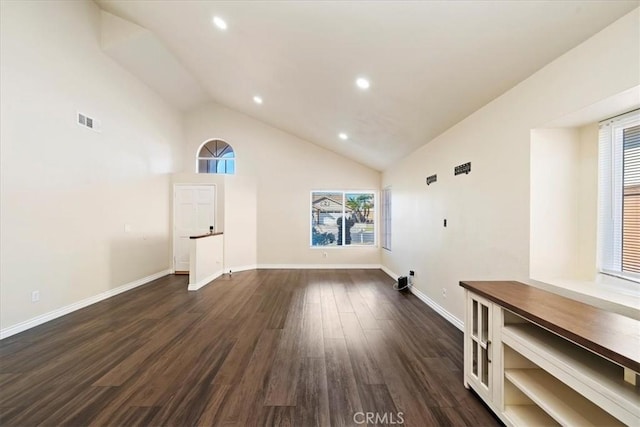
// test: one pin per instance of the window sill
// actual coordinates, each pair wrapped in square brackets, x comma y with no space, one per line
[324,248]
[605,292]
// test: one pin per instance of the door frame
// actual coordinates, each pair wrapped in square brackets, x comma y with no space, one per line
[173,215]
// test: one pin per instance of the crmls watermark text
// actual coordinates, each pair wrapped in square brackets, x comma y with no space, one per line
[389,418]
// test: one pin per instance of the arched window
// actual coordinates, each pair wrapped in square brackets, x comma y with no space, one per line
[216,156]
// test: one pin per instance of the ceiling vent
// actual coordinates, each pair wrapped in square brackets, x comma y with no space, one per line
[88,122]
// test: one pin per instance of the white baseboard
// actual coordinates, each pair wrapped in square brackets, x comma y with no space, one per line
[319,266]
[390,273]
[438,308]
[43,318]
[241,268]
[431,303]
[205,281]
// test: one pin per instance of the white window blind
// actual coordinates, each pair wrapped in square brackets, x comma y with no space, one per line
[631,199]
[619,196]
[386,218]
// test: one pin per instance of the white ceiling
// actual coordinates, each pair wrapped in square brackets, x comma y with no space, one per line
[430,63]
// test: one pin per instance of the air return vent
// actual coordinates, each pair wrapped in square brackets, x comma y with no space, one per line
[88,122]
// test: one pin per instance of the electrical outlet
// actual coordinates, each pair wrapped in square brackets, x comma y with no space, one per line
[325,255]
[444,292]
[35,296]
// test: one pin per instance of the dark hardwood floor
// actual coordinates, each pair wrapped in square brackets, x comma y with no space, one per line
[266,347]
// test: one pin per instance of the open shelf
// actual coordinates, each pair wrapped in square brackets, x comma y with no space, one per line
[528,415]
[555,361]
[595,378]
[562,403]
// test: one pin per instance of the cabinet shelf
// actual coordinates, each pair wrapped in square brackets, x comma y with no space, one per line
[554,361]
[559,401]
[528,415]
[597,379]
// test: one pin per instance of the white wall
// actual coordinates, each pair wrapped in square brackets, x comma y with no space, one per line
[554,203]
[588,202]
[564,198]
[67,192]
[488,210]
[206,260]
[284,169]
[241,228]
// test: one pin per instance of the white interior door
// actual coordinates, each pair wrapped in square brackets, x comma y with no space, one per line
[193,214]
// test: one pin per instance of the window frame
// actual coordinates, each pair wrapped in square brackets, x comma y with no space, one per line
[385,218]
[376,228]
[234,158]
[611,195]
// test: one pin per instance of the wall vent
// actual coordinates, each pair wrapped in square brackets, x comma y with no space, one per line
[462,169]
[88,122]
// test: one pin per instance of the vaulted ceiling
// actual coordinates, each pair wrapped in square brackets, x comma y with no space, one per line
[429,63]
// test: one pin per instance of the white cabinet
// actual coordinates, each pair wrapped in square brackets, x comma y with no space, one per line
[540,359]
[482,355]
[478,341]
[570,385]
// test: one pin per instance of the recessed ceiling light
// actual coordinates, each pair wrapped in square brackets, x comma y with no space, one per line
[343,136]
[362,83]
[220,23]
[257,99]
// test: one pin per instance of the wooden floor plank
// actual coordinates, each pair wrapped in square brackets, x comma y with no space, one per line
[312,344]
[366,318]
[312,404]
[133,363]
[361,353]
[344,399]
[376,399]
[262,347]
[400,381]
[245,400]
[340,283]
[282,385]
[331,326]
[237,361]
[213,402]
[281,416]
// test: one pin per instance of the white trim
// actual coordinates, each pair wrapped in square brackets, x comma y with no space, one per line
[43,318]
[241,268]
[623,275]
[390,273]
[318,266]
[438,309]
[431,303]
[205,281]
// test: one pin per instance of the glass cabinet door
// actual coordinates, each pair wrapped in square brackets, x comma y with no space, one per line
[480,342]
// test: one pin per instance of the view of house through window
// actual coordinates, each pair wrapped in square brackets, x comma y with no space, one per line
[620,195]
[216,156]
[341,218]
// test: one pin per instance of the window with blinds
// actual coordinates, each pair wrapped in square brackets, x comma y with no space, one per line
[631,199]
[619,196]
[385,219]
